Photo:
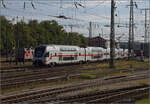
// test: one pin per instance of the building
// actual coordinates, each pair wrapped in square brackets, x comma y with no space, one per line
[100,42]
[138,47]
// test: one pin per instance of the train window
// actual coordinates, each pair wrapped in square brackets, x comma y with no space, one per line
[68,58]
[67,49]
[46,54]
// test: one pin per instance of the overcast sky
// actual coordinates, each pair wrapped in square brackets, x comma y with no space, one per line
[96,11]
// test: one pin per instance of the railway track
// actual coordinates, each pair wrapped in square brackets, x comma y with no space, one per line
[107,96]
[40,70]
[43,77]
[22,68]
[53,91]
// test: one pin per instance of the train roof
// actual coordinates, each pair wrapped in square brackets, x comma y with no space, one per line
[61,47]
[95,47]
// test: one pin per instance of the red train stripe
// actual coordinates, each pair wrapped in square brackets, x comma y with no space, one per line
[73,55]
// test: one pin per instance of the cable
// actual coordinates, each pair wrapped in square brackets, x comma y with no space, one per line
[104,17]
[100,3]
[3,4]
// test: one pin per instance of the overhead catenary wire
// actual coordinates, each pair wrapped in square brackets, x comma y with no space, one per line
[42,14]
[3,4]
[104,17]
[77,19]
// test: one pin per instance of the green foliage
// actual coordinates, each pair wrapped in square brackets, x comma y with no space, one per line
[7,34]
[88,76]
[34,33]
[143,101]
[92,90]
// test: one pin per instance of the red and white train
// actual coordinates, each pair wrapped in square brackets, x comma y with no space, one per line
[63,54]
[24,54]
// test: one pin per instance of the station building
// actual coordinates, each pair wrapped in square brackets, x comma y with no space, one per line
[100,42]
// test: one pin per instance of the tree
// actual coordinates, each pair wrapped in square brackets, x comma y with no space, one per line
[33,33]
[7,37]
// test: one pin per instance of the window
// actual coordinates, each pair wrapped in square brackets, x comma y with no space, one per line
[55,54]
[68,58]
[60,57]
[39,51]
[67,49]
[46,54]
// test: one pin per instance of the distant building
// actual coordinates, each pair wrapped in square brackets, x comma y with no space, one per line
[138,47]
[100,42]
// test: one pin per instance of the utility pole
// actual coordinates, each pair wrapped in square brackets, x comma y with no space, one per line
[71,27]
[132,15]
[131,31]
[145,38]
[99,40]
[17,41]
[17,36]
[112,36]
[149,34]
[90,30]
[6,43]
[146,27]
[102,32]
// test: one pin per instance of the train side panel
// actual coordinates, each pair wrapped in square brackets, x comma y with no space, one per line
[61,54]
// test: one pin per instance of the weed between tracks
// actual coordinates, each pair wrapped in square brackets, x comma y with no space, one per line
[143,81]
[91,90]
[143,101]
[40,85]
[13,64]
[100,67]
[64,81]
[120,64]
[88,76]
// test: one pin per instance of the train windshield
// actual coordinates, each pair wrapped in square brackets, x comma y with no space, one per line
[39,51]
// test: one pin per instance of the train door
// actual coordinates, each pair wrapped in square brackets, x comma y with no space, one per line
[60,58]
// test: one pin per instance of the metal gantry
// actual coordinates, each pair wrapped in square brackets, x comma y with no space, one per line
[131,31]
[146,29]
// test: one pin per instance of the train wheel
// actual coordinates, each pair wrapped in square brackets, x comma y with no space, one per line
[51,65]
[80,62]
[87,62]
[35,64]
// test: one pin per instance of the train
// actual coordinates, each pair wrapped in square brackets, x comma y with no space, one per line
[24,54]
[65,54]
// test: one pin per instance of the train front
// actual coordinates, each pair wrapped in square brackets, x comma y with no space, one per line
[40,55]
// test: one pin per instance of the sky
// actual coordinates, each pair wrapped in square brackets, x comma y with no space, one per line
[95,11]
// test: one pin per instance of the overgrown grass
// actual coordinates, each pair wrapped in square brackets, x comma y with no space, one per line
[91,90]
[143,101]
[88,76]
[63,82]
[13,64]
[40,85]
[130,64]
[143,81]
[105,66]
[119,64]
